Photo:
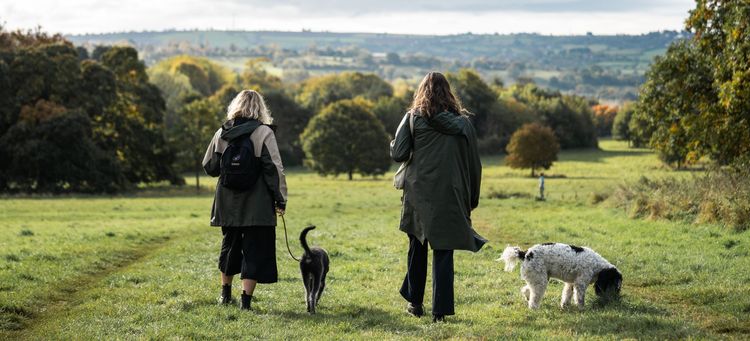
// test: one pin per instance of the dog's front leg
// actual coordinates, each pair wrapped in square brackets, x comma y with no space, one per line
[580,294]
[308,293]
[526,292]
[567,293]
[312,291]
[537,292]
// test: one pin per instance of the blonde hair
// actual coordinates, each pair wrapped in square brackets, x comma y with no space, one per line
[249,104]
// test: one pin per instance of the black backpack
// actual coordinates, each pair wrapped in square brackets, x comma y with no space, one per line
[240,168]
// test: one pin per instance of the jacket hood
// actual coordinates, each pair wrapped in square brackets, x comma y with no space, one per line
[237,127]
[447,123]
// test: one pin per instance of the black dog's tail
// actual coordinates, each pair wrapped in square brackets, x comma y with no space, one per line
[303,238]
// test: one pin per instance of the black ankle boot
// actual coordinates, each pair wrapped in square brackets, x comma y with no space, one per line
[226,294]
[415,309]
[438,318]
[245,301]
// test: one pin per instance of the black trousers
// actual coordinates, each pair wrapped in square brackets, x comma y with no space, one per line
[442,277]
[249,251]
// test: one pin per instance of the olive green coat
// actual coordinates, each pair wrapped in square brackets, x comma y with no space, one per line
[442,180]
[256,206]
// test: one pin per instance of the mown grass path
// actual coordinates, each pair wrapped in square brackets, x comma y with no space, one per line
[681,280]
[54,247]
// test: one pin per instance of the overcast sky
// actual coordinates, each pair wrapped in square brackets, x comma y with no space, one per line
[392,16]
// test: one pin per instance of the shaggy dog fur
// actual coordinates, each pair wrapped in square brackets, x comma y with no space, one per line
[575,266]
[314,266]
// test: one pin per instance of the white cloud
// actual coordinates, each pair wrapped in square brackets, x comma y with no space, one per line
[416,16]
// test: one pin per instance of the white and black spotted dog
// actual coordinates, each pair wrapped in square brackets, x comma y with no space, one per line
[575,266]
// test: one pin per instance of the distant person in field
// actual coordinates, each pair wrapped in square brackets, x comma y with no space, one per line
[250,191]
[440,191]
[541,186]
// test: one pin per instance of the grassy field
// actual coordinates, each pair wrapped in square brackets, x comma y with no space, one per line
[145,266]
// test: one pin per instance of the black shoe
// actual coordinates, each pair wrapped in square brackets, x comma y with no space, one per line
[415,310]
[438,318]
[245,301]
[226,294]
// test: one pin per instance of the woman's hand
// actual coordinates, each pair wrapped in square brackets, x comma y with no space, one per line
[280,211]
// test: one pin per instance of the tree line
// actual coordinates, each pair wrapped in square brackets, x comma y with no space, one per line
[339,123]
[75,120]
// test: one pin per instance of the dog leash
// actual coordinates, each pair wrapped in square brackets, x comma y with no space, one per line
[286,238]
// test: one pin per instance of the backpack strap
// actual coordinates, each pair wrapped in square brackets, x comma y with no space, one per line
[411,124]
[411,130]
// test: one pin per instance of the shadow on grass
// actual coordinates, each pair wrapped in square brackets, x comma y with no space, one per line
[634,327]
[598,155]
[13,317]
[586,178]
[359,318]
[547,177]
[623,319]
[599,304]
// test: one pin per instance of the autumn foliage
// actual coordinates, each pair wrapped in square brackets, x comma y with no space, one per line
[532,146]
[604,117]
[696,98]
[70,122]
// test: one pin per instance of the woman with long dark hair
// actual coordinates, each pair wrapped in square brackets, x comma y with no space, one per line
[441,188]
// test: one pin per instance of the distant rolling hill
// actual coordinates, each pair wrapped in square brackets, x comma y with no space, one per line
[606,67]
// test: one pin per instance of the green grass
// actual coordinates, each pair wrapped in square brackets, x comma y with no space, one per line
[145,267]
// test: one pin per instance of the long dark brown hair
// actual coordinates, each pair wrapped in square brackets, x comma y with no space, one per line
[434,96]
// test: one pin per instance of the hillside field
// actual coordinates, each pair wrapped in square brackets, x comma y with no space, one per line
[143,265]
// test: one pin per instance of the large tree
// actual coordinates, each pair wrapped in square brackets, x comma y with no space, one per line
[197,123]
[604,118]
[621,123]
[289,116]
[318,92]
[183,79]
[291,120]
[476,96]
[721,34]
[346,137]
[696,99]
[533,146]
[76,125]
[675,105]
[570,117]
[54,152]
[390,111]
[196,92]
[133,126]
[495,118]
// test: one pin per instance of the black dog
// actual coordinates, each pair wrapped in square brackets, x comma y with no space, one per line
[314,268]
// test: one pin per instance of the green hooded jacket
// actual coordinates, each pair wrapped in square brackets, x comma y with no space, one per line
[442,180]
[256,206]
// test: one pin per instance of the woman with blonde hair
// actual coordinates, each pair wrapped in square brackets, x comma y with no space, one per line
[250,191]
[441,188]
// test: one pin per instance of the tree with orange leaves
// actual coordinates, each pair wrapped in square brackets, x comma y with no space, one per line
[604,117]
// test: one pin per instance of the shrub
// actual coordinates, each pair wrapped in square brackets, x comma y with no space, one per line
[719,196]
[597,197]
[502,194]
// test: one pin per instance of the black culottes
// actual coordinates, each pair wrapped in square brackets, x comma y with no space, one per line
[250,251]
